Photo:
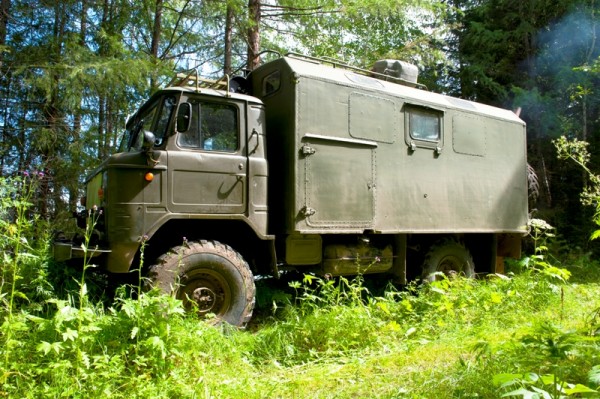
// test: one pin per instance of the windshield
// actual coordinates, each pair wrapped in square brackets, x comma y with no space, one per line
[155,118]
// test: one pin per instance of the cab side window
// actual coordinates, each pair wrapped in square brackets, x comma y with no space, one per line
[213,127]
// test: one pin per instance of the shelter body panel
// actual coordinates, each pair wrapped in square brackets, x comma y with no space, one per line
[351,153]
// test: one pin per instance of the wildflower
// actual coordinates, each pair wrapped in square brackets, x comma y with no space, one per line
[540,224]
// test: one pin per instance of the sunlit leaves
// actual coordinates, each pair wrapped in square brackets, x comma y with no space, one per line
[577,151]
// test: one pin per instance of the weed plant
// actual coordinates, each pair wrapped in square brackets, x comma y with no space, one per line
[525,333]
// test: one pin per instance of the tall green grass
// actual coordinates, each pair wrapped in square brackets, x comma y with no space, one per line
[525,333]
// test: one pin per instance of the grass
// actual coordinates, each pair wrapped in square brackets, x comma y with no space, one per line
[314,339]
[449,343]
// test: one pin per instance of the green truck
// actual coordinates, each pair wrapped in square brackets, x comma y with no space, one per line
[309,165]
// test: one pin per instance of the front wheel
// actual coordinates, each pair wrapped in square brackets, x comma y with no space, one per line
[448,257]
[208,277]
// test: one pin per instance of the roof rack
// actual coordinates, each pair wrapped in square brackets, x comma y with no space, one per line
[341,64]
[193,79]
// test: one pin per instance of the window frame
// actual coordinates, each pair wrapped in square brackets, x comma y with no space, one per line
[419,142]
[274,74]
[197,103]
[148,116]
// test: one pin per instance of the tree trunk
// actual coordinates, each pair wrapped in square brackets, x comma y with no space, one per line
[156,32]
[227,68]
[103,51]
[253,34]
[52,114]
[156,29]
[82,35]
[4,14]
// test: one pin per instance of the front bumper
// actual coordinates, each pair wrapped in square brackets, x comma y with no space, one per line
[64,251]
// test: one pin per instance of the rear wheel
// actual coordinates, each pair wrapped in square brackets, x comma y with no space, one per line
[449,257]
[210,278]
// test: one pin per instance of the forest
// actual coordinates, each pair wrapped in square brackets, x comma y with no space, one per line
[73,71]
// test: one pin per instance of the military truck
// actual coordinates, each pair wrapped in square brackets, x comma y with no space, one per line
[311,165]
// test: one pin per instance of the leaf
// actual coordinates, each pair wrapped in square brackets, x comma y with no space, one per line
[157,343]
[522,392]
[70,335]
[496,297]
[46,347]
[531,377]
[128,308]
[506,379]
[384,307]
[57,347]
[595,235]
[544,394]
[83,291]
[134,332]
[548,379]
[19,294]
[36,319]
[85,359]
[579,389]
[90,328]
[594,375]
[308,279]
[393,326]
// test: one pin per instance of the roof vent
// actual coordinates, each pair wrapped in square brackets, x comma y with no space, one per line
[398,70]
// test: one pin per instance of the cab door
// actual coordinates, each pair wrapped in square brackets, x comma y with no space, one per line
[208,171]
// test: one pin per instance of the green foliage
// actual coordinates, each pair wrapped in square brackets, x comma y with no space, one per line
[339,337]
[407,30]
[546,386]
[23,258]
[577,151]
[540,232]
[550,348]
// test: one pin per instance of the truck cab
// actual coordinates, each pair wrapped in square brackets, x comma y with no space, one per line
[187,156]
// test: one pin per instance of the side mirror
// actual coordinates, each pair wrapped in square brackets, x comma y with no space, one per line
[149,141]
[184,117]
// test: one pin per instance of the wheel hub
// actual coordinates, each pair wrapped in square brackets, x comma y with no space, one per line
[450,265]
[205,299]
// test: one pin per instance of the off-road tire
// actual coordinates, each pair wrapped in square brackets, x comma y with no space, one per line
[210,278]
[449,257]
